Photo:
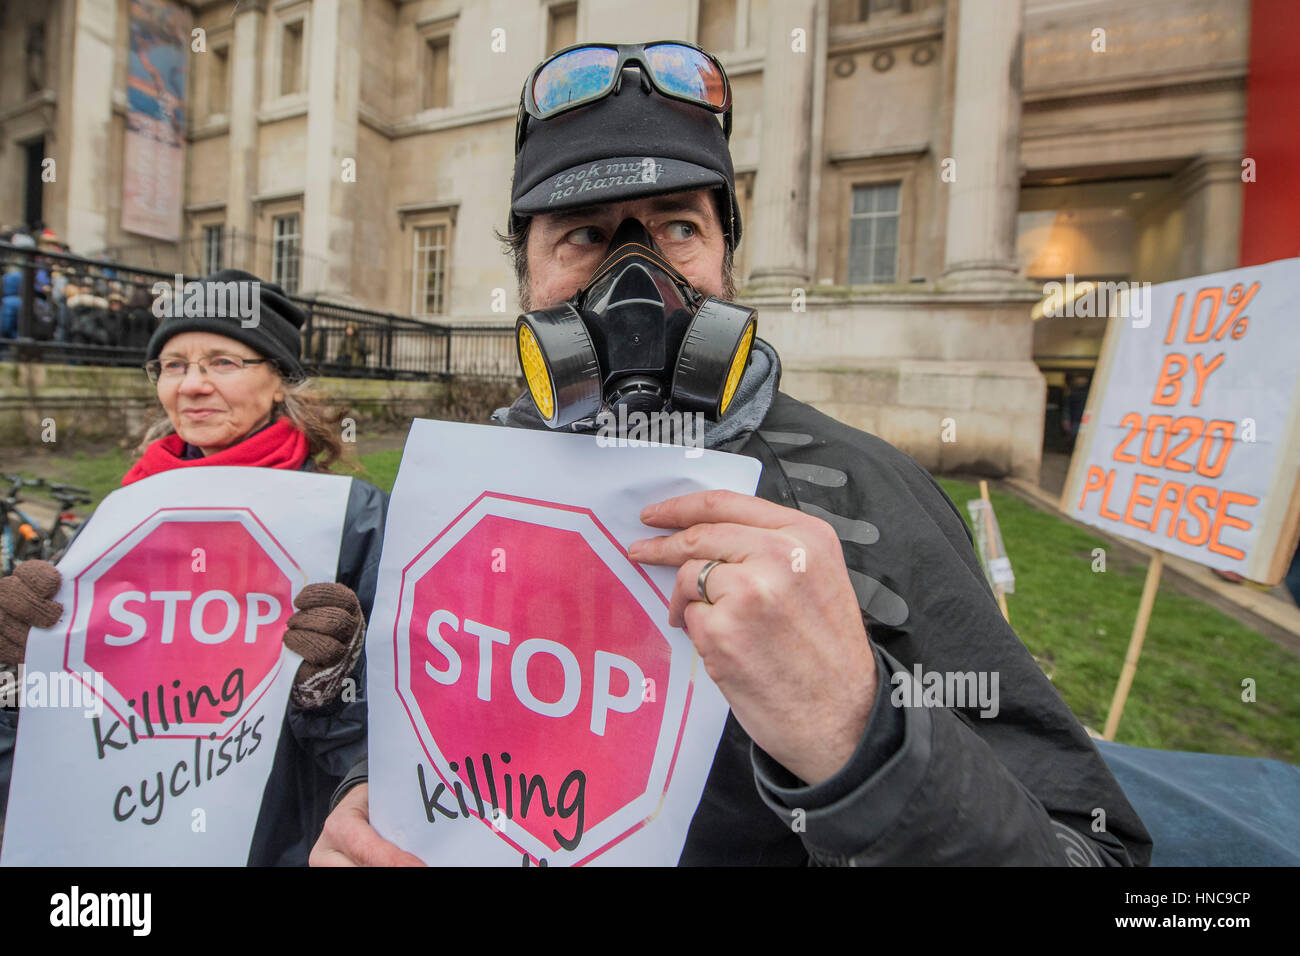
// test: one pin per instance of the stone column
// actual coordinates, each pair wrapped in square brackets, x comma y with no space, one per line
[85,135]
[245,96]
[1211,190]
[779,232]
[982,200]
[333,98]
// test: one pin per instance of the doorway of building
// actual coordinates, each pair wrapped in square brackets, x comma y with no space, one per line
[33,187]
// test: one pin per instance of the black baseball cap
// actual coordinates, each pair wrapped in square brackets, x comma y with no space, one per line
[631,144]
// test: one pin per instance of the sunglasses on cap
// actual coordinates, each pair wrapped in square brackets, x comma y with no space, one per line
[583,74]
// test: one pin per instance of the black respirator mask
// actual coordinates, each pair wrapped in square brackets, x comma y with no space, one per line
[638,336]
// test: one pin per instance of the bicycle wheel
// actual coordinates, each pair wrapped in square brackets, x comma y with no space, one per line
[57,543]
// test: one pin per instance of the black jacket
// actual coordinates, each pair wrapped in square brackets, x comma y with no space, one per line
[926,785]
[316,747]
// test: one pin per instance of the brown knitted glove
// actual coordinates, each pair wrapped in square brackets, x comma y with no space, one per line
[329,632]
[25,603]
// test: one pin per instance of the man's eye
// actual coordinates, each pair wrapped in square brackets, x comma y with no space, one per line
[584,236]
[222,363]
[680,230]
[174,367]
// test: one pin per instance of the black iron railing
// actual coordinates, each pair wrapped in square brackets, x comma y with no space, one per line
[71,309]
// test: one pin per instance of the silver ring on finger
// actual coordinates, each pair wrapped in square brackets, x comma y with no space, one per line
[701,583]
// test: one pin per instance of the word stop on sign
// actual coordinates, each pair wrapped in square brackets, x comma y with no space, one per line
[604,664]
[214,616]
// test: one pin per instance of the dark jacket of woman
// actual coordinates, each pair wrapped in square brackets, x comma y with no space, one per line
[317,747]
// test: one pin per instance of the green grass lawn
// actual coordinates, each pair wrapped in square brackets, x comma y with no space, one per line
[1187,694]
[97,472]
[102,472]
[1076,622]
[379,468]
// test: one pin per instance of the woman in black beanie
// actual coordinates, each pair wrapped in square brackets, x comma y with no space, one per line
[234,392]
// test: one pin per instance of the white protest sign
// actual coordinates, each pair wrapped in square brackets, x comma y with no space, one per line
[528,701]
[175,597]
[1190,443]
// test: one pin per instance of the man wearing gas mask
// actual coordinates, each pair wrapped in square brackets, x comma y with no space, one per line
[623,227]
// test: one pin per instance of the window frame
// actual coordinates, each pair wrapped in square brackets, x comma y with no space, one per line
[205,232]
[275,239]
[548,21]
[742,259]
[217,51]
[874,172]
[32,27]
[277,22]
[447,221]
[740,39]
[443,27]
[865,14]
[286,26]
[544,24]
[898,224]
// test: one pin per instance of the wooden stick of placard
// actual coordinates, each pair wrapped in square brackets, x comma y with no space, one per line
[993,547]
[1135,644]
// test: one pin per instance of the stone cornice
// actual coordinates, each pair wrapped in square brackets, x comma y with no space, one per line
[1205,169]
[906,150]
[293,107]
[45,97]
[410,210]
[198,208]
[901,29]
[279,195]
[1136,86]
[209,128]
[434,120]
[1115,125]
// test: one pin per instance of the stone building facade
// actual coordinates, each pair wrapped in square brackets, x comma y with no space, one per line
[911,172]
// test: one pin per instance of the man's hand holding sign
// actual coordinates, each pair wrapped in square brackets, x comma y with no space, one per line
[778,627]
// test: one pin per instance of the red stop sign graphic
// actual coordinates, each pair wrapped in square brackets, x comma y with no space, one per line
[524,651]
[184,618]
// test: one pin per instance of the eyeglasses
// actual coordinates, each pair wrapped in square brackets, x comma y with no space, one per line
[580,75]
[219,366]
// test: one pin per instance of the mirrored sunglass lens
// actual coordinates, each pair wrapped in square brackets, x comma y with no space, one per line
[687,72]
[573,77]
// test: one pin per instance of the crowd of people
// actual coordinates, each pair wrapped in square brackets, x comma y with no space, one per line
[80,305]
[93,302]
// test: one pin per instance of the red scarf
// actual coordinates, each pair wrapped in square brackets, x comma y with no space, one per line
[280,445]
